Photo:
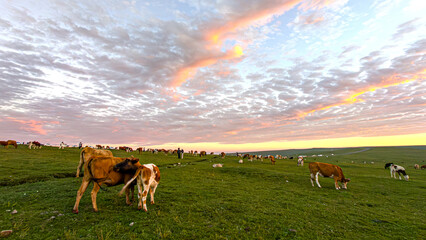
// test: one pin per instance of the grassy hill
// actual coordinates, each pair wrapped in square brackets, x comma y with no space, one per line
[253,200]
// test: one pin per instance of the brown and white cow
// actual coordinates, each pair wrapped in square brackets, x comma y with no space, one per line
[327,170]
[223,154]
[148,177]
[87,153]
[203,153]
[99,170]
[272,159]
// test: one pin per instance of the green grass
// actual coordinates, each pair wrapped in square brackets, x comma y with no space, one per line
[254,200]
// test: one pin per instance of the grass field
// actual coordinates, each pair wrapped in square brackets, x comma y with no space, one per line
[253,200]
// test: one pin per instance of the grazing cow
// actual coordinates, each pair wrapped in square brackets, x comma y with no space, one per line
[100,171]
[272,159]
[222,154]
[423,167]
[212,153]
[139,150]
[87,153]
[327,170]
[9,142]
[416,166]
[300,161]
[148,177]
[62,145]
[397,169]
[203,153]
[246,155]
[34,144]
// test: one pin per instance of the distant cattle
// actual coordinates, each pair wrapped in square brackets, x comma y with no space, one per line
[222,154]
[139,150]
[394,169]
[300,161]
[416,166]
[87,153]
[327,170]
[9,142]
[62,145]
[212,153]
[100,171]
[423,167]
[148,177]
[34,144]
[272,159]
[203,153]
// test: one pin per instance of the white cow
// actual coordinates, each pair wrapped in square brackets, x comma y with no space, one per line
[397,169]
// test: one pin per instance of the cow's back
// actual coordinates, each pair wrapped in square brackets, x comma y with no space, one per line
[325,169]
[88,153]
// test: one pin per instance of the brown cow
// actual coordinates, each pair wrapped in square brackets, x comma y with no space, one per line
[327,170]
[222,154]
[9,142]
[148,176]
[203,153]
[272,159]
[87,153]
[100,171]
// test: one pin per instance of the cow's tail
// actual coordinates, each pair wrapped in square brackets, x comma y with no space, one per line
[131,180]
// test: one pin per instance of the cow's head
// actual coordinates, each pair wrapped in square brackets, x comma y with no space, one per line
[345,182]
[128,165]
[388,165]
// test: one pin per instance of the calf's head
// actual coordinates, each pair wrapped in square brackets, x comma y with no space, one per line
[127,166]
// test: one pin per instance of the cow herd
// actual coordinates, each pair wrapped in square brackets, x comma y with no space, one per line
[101,167]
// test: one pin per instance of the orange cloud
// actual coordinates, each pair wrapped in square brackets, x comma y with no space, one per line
[33,125]
[189,71]
[389,82]
[217,35]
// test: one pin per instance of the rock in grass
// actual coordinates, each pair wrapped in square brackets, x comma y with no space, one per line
[5,233]
[292,230]
[14,212]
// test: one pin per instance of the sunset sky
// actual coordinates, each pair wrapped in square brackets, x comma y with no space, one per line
[234,75]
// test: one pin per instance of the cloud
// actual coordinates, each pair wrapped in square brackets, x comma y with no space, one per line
[128,74]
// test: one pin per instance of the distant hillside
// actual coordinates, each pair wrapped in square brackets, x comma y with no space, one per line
[322,151]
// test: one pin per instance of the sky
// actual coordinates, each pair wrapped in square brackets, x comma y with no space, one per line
[241,75]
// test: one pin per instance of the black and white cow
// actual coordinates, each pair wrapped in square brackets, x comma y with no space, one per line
[397,169]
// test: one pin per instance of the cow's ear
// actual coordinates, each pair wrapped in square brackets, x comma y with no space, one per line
[134,160]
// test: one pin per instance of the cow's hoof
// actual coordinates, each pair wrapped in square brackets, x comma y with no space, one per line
[75,211]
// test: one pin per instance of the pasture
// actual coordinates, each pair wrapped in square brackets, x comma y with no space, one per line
[253,200]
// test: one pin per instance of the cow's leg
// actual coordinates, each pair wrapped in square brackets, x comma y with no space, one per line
[129,200]
[312,179]
[154,185]
[316,179]
[80,164]
[139,192]
[80,192]
[94,193]
[336,184]
[132,189]
[399,175]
